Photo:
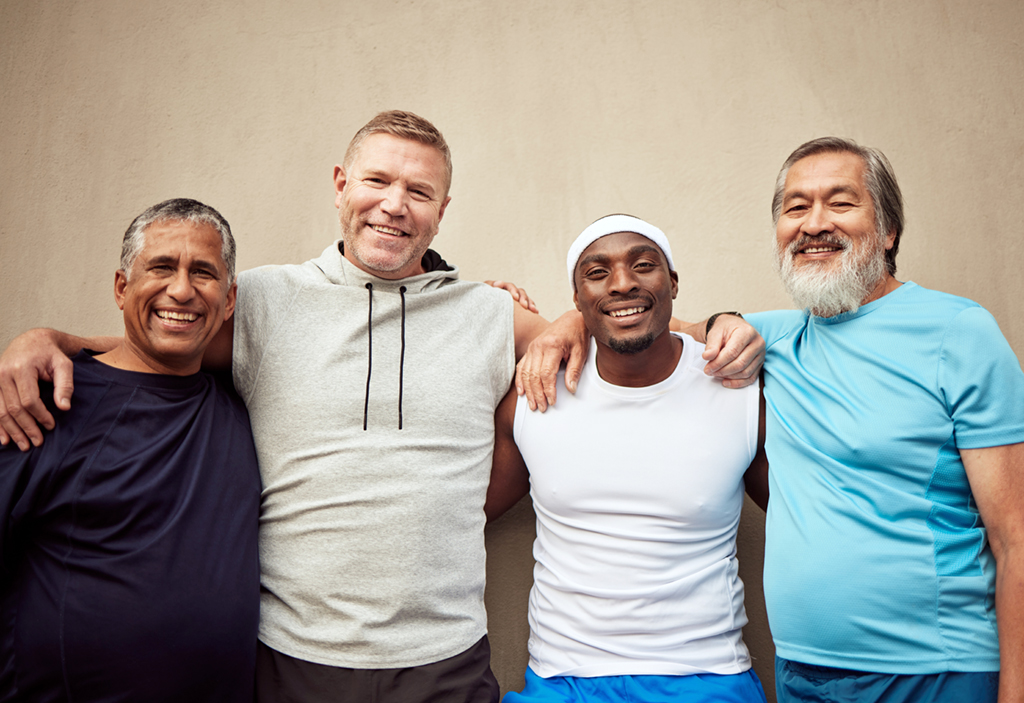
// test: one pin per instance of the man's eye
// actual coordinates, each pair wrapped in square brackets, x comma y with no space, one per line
[796,208]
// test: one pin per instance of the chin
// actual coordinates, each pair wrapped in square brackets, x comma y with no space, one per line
[632,345]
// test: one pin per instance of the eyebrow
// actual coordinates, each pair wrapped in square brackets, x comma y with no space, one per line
[198,263]
[425,186]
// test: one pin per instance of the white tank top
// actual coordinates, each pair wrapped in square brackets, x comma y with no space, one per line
[638,494]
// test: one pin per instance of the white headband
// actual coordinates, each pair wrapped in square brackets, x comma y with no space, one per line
[612,224]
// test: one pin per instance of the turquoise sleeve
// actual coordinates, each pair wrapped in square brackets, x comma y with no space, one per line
[981,381]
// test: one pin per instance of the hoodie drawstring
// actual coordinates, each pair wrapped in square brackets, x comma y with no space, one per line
[369,355]
[401,363]
[369,352]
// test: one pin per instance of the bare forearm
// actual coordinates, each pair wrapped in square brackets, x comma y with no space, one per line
[694,329]
[1010,619]
[71,344]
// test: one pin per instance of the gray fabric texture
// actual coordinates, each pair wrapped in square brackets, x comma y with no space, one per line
[371,541]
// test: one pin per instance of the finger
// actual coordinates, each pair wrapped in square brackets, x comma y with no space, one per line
[13,431]
[525,382]
[574,368]
[526,301]
[30,415]
[5,438]
[535,392]
[30,410]
[713,345]
[510,288]
[10,426]
[738,383]
[63,383]
[747,365]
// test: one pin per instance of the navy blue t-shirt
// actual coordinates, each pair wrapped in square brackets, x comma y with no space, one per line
[130,558]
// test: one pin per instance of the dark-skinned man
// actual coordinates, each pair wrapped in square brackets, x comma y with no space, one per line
[637,481]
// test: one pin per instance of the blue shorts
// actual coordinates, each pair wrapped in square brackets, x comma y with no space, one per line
[694,688]
[803,683]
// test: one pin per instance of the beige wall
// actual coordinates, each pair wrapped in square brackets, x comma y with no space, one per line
[557,113]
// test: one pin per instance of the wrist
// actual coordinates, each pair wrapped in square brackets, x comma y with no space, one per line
[711,321]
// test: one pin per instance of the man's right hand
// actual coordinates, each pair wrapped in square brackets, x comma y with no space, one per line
[32,357]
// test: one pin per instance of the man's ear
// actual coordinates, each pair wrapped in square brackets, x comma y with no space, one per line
[891,239]
[120,283]
[339,184]
[229,306]
[444,205]
[576,300]
[675,283]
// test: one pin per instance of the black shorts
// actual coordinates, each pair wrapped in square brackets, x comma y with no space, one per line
[464,678]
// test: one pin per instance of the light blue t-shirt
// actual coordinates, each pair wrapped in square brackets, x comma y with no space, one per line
[876,558]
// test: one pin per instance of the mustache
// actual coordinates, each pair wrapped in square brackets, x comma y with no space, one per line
[829,239]
[638,301]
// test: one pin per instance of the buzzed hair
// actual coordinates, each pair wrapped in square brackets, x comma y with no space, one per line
[404,125]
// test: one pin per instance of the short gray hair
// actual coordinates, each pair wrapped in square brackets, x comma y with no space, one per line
[177,210]
[878,177]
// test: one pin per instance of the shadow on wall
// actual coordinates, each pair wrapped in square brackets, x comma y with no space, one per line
[510,576]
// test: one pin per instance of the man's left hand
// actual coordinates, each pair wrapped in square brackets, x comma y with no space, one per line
[734,352]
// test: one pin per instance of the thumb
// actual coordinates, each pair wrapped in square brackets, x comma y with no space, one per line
[573,370]
[63,383]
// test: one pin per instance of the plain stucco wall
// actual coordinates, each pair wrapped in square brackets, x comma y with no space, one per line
[557,113]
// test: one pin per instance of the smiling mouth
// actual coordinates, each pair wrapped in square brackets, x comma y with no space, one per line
[179,318]
[627,311]
[388,230]
[820,250]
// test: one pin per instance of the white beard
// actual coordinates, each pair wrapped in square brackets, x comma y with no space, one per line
[829,289]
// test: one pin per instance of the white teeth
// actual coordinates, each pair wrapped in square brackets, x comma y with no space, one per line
[627,311]
[388,230]
[816,250]
[177,316]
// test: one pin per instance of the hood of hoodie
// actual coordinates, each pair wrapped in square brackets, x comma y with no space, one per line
[343,272]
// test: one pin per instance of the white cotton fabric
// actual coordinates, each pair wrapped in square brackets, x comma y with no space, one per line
[638,494]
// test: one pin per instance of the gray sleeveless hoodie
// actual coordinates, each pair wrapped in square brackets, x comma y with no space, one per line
[372,407]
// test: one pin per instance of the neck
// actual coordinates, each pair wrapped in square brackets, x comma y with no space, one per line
[652,365]
[125,357]
[885,286]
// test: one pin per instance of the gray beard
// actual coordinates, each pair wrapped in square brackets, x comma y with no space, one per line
[827,292]
[634,345]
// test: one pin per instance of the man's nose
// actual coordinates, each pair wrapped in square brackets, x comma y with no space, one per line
[180,287]
[818,221]
[623,279]
[395,201]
